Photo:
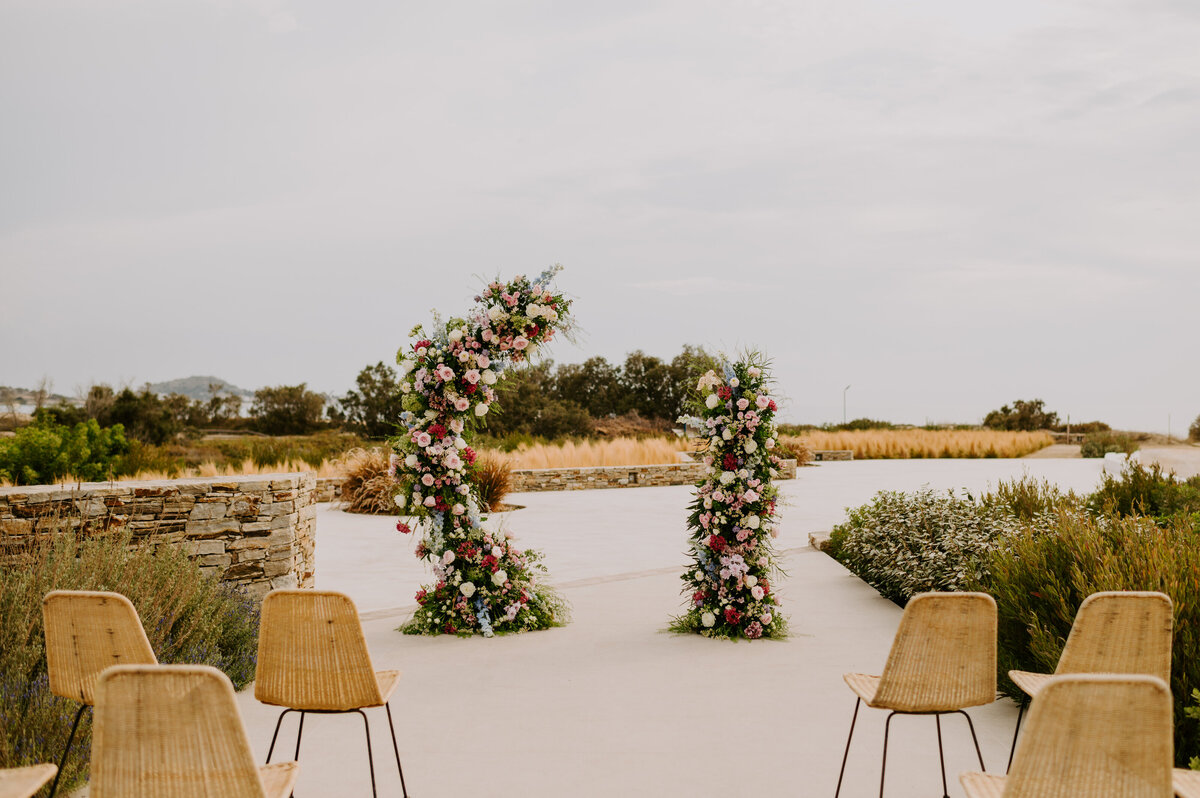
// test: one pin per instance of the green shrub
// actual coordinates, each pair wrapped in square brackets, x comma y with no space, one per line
[45,453]
[1098,444]
[1040,576]
[1027,499]
[906,543]
[1149,491]
[1194,430]
[189,617]
[1026,415]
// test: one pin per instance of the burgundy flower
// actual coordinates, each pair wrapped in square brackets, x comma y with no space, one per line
[716,543]
[732,616]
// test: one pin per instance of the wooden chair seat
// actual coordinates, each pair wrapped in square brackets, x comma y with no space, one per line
[25,782]
[279,779]
[864,686]
[1030,683]
[983,785]
[1187,783]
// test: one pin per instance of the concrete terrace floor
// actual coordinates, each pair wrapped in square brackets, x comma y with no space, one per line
[612,704]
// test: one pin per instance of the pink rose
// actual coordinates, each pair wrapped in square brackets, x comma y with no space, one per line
[427,480]
[462,403]
[423,439]
[520,342]
[757,593]
[483,361]
[472,376]
[761,402]
[430,501]
[459,509]
[766,618]
[743,403]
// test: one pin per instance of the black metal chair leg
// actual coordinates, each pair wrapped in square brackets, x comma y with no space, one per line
[299,734]
[845,756]
[370,759]
[887,727]
[937,719]
[974,739]
[396,749]
[278,723]
[70,739]
[1020,714]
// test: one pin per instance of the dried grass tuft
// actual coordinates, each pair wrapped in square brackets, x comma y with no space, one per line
[368,488]
[493,480]
[882,444]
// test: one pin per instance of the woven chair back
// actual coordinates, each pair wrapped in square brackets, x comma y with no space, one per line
[1096,736]
[170,731]
[86,632]
[312,654]
[944,655]
[1120,632]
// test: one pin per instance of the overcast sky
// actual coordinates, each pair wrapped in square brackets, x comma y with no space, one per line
[946,204]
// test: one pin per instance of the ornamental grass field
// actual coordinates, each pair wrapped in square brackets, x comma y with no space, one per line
[881,444]
[586,453]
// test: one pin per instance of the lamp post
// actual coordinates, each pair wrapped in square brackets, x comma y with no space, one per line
[844,404]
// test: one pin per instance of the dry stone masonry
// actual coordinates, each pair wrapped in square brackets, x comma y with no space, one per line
[257,531]
[534,479]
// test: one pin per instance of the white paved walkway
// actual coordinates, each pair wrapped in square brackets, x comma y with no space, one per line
[612,704]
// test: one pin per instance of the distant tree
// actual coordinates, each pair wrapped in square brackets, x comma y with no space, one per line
[98,400]
[594,385]
[185,412]
[529,407]
[221,409]
[143,415]
[1023,415]
[1194,430]
[656,389]
[61,414]
[287,410]
[45,452]
[374,409]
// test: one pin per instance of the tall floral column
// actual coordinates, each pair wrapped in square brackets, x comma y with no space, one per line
[731,586]
[483,583]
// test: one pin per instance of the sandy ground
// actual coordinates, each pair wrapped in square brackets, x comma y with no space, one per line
[613,704]
[1182,458]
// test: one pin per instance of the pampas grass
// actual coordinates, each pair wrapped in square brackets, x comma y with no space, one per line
[882,444]
[327,468]
[368,488]
[493,480]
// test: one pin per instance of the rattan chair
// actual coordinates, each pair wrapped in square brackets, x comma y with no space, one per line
[1113,632]
[942,661]
[25,782]
[86,632]
[1090,735]
[174,731]
[1187,783]
[312,658]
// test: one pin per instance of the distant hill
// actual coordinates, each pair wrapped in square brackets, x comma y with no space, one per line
[198,387]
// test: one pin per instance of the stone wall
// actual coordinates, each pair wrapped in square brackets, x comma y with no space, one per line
[256,531]
[535,479]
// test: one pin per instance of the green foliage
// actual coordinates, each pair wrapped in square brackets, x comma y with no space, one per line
[1040,576]
[144,416]
[1194,430]
[1026,499]
[530,405]
[287,410]
[374,409]
[1148,491]
[44,453]
[1024,415]
[1083,427]
[1193,712]
[1098,444]
[189,617]
[906,543]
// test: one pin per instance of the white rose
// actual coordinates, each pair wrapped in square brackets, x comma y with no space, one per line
[708,619]
[753,522]
[499,578]
[459,443]
[751,581]
[406,367]
[751,447]
[726,435]
[754,371]
[401,500]
[734,383]
[712,401]
[481,410]
[770,443]
[488,377]
[467,589]
[699,575]
[410,461]
[495,313]
[448,557]
[455,335]
[727,477]
[744,474]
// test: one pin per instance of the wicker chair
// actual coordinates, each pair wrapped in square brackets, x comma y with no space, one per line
[86,632]
[174,731]
[1187,783]
[25,782]
[312,658]
[1113,632]
[942,661]
[1090,736]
